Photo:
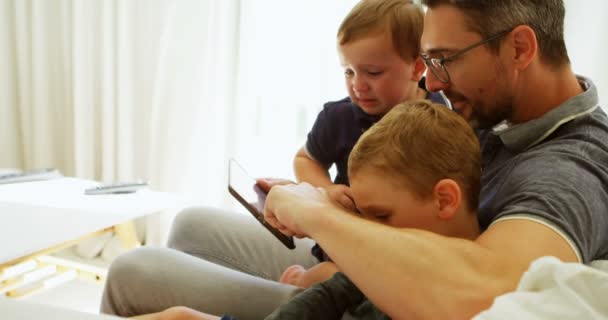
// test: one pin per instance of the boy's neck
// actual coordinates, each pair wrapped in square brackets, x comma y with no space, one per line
[466,225]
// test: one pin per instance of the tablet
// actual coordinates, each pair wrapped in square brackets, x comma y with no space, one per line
[245,190]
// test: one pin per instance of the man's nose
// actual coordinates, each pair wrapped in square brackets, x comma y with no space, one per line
[433,84]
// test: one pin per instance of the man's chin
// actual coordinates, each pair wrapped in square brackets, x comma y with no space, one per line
[474,123]
[482,123]
[463,108]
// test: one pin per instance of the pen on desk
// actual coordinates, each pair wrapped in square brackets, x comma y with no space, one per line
[116,188]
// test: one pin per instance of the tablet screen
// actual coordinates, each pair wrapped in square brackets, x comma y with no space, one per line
[244,188]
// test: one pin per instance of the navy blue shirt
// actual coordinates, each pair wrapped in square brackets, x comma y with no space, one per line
[336,130]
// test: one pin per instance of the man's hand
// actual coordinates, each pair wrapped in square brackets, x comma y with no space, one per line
[342,195]
[292,208]
[267,183]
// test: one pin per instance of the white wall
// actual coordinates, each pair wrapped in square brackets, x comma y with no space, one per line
[586,35]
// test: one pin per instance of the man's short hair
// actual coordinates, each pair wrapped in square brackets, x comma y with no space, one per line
[420,143]
[402,18]
[545,17]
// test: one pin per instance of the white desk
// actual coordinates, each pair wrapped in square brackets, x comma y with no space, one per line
[21,310]
[36,216]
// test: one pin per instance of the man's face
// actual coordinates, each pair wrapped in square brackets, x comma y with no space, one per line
[378,197]
[376,77]
[479,81]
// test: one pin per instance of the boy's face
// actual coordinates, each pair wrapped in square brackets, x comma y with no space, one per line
[377,78]
[379,198]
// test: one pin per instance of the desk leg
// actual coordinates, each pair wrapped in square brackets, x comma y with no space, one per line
[127,235]
[23,276]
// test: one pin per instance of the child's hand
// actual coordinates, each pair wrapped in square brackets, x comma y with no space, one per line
[342,195]
[292,275]
[298,276]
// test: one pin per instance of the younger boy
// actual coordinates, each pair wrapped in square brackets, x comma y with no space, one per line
[419,167]
[379,49]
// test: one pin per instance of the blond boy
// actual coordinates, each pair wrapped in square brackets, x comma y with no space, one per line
[418,168]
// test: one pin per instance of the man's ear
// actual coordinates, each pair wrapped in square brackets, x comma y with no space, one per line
[419,69]
[448,196]
[524,46]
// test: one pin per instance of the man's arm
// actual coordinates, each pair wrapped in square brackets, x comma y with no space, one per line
[423,275]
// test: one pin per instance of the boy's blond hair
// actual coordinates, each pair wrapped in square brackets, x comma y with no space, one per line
[421,143]
[402,18]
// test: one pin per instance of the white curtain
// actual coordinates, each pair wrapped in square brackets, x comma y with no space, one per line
[164,91]
[117,90]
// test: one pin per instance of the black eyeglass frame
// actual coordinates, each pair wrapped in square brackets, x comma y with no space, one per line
[432,62]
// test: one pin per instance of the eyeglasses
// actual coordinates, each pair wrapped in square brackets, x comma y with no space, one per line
[437,65]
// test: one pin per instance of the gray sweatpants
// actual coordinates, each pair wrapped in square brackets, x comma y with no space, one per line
[217,262]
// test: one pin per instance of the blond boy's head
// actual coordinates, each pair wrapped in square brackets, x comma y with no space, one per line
[424,149]
[401,18]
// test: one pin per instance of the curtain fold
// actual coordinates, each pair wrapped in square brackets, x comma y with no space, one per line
[115,90]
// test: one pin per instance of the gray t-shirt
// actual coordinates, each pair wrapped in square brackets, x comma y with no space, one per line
[553,170]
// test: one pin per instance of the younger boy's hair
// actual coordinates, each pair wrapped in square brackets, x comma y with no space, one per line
[421,143]
[402,18]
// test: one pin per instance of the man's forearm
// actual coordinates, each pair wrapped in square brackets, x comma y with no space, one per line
[410,273]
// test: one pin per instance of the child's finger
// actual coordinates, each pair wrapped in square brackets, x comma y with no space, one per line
[347,202]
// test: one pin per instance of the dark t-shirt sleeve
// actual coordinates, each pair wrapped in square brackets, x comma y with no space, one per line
[563,189]
[319,143]
[327,300]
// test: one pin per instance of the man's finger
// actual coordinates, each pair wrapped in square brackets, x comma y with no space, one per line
[267,183]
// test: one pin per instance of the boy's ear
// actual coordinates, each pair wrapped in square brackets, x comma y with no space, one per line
[419,68]
[448,195]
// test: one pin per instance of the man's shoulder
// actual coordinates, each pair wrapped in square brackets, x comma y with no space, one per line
[564,181]
[585,136]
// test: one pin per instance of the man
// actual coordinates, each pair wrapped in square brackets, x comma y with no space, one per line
[544,140]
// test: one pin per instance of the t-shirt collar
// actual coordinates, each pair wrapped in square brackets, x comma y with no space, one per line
[525,135]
